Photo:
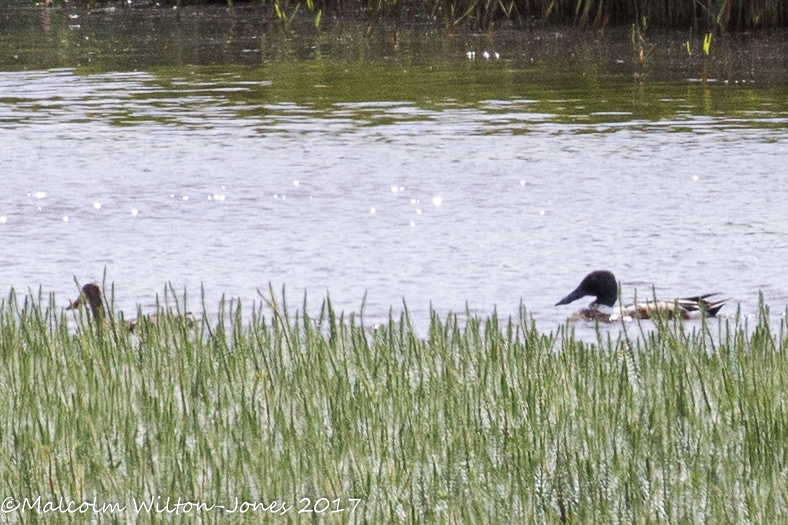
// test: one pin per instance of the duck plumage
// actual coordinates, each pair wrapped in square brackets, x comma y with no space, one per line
[602,285]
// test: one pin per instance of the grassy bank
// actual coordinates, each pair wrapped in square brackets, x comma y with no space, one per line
[484,421]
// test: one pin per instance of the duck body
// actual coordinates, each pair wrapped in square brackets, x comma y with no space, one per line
[91,294]
[602,285]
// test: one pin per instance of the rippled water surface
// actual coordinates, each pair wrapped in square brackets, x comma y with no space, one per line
[392,168]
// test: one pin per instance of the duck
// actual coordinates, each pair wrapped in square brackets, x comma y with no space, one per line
[602,285]
[92,295]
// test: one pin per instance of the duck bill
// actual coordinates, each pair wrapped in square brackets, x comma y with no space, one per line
[577,294]
[74,305]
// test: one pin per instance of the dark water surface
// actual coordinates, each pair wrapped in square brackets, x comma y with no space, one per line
[209,147]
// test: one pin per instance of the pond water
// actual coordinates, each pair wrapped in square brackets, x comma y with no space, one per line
[209,148]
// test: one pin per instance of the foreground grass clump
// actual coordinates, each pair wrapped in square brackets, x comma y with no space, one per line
[479,421]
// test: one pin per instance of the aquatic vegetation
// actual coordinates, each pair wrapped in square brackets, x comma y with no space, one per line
[707,43]
[712,14]
[483,420]
[639,44]
[715,15]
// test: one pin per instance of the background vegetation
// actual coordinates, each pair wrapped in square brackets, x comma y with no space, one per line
[477,421]
[705,15]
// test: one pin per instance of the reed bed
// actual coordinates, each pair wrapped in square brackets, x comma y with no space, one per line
[731,15]
[474,421]
[706,15]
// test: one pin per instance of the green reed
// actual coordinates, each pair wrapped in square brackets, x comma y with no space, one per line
[734,15]
[473,421]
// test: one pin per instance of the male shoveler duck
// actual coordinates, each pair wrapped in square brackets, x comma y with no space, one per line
[91,294]
[602,284]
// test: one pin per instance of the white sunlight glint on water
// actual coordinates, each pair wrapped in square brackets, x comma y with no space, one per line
[182,190]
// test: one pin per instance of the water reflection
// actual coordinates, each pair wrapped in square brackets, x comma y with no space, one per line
[200,103]
[431,179]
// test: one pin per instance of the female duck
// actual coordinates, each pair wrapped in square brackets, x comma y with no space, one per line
[91,294]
